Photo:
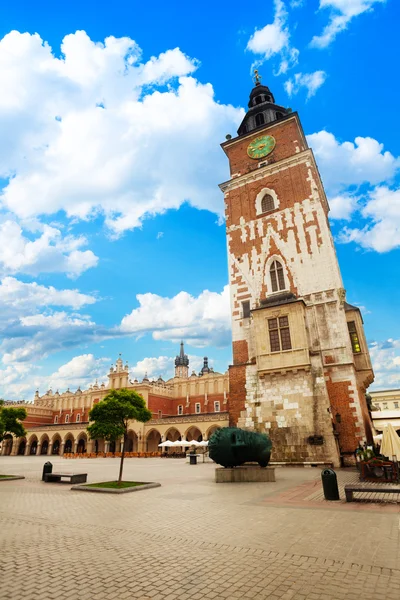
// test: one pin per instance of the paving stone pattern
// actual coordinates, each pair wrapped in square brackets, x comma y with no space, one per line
[190,538]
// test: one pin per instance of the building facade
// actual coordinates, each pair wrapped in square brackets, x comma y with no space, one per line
[301,364]
[184,407]
[385,409]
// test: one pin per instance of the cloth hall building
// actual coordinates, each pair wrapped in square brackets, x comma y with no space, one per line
[184,407]
[301,364]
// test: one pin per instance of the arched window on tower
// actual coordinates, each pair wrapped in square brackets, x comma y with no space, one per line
[267,203]
[277,276]
[260,119]
[258,99]
[279,115]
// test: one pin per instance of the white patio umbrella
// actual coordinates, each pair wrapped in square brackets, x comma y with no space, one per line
[390,445]
[193,443]
[378,437]
[166,444]
[179,443]
[203,443]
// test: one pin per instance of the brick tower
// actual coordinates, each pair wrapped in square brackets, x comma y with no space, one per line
[300,359]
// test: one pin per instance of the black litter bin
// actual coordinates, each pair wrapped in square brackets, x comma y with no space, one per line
[329,483]
[193,459]
[47,468]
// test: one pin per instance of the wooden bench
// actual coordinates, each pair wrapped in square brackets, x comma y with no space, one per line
[350,488]
[65,477]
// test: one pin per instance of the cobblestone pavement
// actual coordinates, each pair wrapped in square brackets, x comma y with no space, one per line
[191,538]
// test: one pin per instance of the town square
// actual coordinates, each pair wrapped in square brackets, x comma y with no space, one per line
[200,362]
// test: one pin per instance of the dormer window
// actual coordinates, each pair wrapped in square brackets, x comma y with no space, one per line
[277,276]
[267,203]
[260,119]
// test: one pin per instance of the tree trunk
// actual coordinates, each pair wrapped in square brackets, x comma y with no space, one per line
[121,465]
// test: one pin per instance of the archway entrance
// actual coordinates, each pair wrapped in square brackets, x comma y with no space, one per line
[45,447]
[152,441]
[22,448]
[56,447]
[68,447]
[34,445]
[81,446]
[112,447]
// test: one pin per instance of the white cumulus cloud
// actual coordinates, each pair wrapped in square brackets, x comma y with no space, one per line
[49,252]
[200,320]
[97,130]
[310,81]
[385,358]
[274,40]
[341,13]
[382,230]
[344,164]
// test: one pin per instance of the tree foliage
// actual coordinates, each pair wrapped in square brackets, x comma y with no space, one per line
[10,421]
[110,417]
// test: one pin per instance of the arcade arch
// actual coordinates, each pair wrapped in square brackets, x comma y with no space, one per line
[33,444]
[212,430]
[56,441]
[152,440]
[132,443]
[21,447]
[194,433]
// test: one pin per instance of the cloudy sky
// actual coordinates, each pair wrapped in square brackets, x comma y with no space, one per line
[111,221]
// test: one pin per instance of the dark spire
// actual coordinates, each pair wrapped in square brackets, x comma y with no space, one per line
[205,368]
[262,108]
[182,359]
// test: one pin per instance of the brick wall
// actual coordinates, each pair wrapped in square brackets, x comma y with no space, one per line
[237,392]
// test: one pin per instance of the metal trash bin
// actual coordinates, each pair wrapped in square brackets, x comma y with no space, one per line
[193,459]
[329,483]
[47,468]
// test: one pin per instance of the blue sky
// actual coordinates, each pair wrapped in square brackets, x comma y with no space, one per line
[111,220]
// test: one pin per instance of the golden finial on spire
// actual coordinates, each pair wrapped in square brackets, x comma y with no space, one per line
[257,77]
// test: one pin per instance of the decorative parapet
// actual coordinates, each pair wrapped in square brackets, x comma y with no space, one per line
[196,418]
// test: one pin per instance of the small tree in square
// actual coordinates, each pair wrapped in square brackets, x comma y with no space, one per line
[111,418]
[10,421]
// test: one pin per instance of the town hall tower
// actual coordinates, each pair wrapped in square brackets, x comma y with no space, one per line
[300,359]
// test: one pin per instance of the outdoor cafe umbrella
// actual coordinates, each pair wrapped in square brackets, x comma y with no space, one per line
[390,445]
[166,444]
[180,443]
[202,443]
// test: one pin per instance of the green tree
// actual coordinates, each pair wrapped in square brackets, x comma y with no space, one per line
[111,417]
[10,421]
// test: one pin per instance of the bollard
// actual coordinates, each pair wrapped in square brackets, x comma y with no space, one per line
[329,483]
[193,459]
[47,468]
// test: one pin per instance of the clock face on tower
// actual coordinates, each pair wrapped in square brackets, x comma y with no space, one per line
[261,146]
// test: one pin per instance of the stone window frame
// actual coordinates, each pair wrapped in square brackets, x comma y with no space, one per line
[197,408]
[267,275]
[260,197]
[78,418]
[67,418]
[217,403]
[56,419]
[180,409]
